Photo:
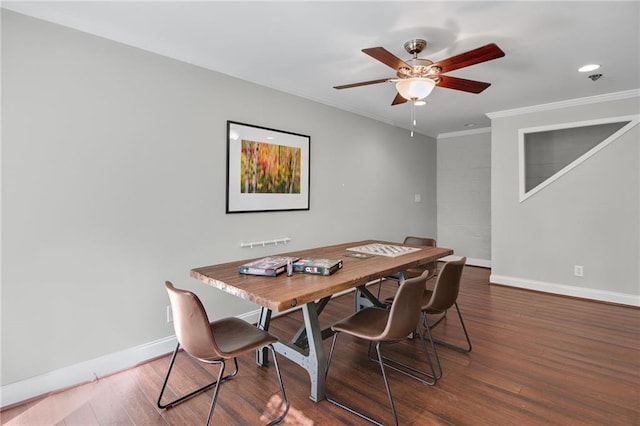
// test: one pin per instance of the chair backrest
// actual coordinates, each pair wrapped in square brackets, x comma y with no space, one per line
[422,242]
[419,241]
[447,286]
[406,308]
[191,324]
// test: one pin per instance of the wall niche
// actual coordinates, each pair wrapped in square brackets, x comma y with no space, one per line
[546,153]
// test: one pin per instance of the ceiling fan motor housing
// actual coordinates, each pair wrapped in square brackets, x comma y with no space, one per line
[419,68]
[415,46]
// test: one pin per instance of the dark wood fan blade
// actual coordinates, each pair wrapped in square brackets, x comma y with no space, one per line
[362,83]
[472,57]
[386,57]
[462,84]
[398,100]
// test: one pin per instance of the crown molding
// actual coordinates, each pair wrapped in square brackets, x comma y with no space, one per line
[565,104]
[464,133]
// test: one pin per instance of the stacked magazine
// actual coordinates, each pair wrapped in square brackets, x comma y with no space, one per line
[267,266]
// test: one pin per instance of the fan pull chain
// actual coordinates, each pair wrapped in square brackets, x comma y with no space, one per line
[413,115]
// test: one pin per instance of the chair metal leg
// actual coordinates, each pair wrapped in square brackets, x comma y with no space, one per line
[433,348]
[215,391]
[285,401]
[190,394]
[426,377]
[436,322]
[466,349]
[221,378]
[386,383]
[333,345]
[433,341]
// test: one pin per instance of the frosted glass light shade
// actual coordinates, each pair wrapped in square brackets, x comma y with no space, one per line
[415,88]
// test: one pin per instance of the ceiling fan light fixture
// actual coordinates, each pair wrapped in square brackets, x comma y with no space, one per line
[415,88]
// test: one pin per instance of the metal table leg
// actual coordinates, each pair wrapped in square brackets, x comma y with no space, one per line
[312,359]
[364,298]
[262,355]
[307,353]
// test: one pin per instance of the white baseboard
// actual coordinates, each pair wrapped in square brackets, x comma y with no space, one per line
[96,368]
[566,290]
[92,369]
[483,263]
[84,372]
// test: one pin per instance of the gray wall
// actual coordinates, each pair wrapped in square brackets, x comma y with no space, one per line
[113,181]
[588,217]
[464,195]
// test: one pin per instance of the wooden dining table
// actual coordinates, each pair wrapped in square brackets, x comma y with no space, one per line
[311,293]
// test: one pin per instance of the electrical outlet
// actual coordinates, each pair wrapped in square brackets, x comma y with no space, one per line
[169,314]
[578,270]
[417,198]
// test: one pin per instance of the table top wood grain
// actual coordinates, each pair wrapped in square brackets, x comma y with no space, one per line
[284,292]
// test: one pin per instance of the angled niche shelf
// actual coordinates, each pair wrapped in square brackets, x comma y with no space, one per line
[549,152]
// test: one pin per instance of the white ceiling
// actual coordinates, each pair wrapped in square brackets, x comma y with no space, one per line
[306,48]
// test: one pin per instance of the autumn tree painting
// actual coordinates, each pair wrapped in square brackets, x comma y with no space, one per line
[269,168]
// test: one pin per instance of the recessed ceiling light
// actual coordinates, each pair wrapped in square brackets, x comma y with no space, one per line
[420,103]
[588,67]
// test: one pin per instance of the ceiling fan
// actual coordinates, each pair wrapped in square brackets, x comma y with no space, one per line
[417,77]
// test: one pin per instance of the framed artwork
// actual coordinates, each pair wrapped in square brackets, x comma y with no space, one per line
[267,169]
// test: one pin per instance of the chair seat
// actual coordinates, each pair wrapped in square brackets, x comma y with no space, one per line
[414,272]
[235,336]
[368,323]
[426,298]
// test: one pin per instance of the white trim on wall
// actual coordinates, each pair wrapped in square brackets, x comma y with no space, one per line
[633,121]
[103,366]
[566,290]
[483,263]
[84,372]
[565,104]
[464,133]
[93,369]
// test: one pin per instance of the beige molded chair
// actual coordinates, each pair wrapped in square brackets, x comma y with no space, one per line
[214,343]
[437,301]
[382,326]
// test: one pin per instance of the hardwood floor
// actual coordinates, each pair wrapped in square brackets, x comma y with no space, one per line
[537,359]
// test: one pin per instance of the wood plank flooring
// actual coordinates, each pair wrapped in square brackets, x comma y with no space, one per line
[537,359]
